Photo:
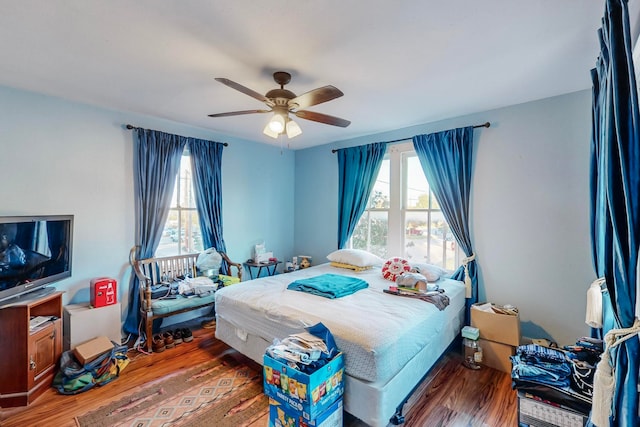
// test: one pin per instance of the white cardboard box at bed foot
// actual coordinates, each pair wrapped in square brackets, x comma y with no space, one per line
[82,323]
[306,394]
[536,412]
[501,328]
[279,417]
[496,355]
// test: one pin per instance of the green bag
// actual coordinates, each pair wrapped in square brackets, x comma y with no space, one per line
[74,378]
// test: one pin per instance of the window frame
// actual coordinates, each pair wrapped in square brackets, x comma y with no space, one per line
[175,206]
[398,155]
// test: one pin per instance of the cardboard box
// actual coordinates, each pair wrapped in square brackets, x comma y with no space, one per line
[88,351]
[301,393]
[502,328]
[279,417]
[496,355]
[533,412]
[82,323]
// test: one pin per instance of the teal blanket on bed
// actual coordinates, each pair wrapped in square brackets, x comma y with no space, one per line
[329,285]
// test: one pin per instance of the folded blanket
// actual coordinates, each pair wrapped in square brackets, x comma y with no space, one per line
[329,285]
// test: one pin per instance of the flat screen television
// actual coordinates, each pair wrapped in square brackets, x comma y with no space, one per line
[34,252]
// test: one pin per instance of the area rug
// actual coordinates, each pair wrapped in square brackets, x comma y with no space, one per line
[210,394]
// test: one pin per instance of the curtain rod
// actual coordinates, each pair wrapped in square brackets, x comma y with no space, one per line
[484,125]
[226,144]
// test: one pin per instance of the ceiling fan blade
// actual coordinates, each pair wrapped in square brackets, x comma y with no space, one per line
[239,113]
[315,97]
[322,118]
[245,90]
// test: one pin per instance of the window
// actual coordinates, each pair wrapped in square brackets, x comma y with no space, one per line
[181,232]
[403,217]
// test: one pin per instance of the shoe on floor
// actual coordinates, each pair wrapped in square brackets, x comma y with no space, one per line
[187,336]
[168,339]
[158,344]
[209,324]
[177,336]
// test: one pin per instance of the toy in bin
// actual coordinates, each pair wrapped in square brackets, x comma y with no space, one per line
[297,378]
[104,291]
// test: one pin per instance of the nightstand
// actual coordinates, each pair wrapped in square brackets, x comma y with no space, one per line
[270,266]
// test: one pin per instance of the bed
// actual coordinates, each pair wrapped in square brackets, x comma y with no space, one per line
[389,342]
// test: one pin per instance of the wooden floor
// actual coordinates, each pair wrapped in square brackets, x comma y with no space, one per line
[451,395]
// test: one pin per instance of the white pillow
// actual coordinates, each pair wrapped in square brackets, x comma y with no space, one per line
[356,257]
[433,273]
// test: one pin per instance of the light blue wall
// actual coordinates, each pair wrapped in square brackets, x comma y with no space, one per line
[529,208]
[59,157]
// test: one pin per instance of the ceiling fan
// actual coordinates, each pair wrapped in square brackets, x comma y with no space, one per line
[282,102]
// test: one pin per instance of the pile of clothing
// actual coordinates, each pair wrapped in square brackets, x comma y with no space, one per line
[540,364]
[564,376]
[195,286]
[305,351]
[187,287]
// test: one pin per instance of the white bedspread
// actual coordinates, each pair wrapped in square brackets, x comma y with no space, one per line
[378,333]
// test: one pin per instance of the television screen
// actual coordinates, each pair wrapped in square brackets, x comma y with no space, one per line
[34,251]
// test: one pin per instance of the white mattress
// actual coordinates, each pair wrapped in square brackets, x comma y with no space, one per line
[377,332]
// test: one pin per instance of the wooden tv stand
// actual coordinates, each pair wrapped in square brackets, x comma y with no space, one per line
[30,357]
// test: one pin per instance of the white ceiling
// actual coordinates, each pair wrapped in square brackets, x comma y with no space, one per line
[399,63]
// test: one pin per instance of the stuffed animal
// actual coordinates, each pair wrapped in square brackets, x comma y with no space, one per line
[415,281]
[412,280]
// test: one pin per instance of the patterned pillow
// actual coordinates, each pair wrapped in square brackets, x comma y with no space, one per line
[394,267]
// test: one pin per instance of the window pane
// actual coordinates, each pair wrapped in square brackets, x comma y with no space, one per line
[379,197]
[371,233]
[186,195]
[169,242]
[443,244]
[417,191]
[191,238]
[416,236]
[182,233]
[174,197]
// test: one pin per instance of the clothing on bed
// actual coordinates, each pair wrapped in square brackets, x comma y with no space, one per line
[329,285]
[437,298]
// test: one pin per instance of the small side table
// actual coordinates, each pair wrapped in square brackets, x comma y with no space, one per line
[260,265]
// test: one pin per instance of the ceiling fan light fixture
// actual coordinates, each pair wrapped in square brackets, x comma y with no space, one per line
[267,131]
[276,124]
[293,129]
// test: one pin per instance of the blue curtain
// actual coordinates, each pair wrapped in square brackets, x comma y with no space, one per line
[358,169]
[206,164]
[615,197]
[156,161]
[446,161]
